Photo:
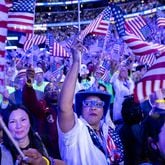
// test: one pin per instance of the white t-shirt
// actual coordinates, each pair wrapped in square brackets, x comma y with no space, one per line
[77,148]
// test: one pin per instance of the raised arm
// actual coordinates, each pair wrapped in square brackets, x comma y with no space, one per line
[65,114]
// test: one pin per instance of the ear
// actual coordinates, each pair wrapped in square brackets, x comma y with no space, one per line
[152,144]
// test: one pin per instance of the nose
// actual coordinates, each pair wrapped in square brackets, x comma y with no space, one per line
[93,107]
[18,125]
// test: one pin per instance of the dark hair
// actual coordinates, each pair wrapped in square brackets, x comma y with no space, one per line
[102,85]
[80,78]
[131,111]
[140,67]
[35,141]
[152,129]
[6,113]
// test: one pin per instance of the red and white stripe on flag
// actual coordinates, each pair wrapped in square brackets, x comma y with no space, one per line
[33,39]
[161,22]
[147,59]
[160,47]
[102,69]
[138,46]
[153,80]
[59,51]
[106,76]
[135,25]
[110,145]
[91,27]
[21,16]
[160,18]
[3,34]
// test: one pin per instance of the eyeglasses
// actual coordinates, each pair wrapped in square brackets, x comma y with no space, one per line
[93,103]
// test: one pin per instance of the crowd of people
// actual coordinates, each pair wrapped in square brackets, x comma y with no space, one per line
[70,115]
[80,110]
[87,13]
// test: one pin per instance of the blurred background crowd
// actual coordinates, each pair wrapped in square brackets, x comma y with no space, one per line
[107,62]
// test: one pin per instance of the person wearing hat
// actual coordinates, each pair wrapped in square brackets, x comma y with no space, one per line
[19,81]
[39,82]
[84,137]
[15,96]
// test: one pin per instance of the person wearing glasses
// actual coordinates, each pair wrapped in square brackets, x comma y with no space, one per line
[84,137]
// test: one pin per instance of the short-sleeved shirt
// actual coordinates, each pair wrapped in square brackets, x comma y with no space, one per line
[77,147]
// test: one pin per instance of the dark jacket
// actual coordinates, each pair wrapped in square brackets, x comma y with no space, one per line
[43,114]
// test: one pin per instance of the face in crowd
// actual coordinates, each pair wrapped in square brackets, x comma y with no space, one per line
[19,124]
[39,77]
[123,74]
[51,93]
[92,110]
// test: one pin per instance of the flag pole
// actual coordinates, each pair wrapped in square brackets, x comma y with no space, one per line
[79,20]
[33,34]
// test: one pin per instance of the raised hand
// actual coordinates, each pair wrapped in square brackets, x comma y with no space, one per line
[5,94]
[77,49]
[30,74]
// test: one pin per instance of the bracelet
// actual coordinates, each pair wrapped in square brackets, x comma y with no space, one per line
[47,160]
[160,101]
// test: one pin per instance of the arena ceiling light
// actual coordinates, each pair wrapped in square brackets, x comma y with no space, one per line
[64,3]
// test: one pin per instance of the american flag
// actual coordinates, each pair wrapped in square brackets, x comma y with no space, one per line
[106,64]
[33,39]
[104,69]
[139,27]
[101,69]
[3,34]
[55,48]
[152,81]
[106,76]
[50,42]
[119,19]
[59,51]
[99,25]
[140,47]
[160,19]
[21,16]
[136,44]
